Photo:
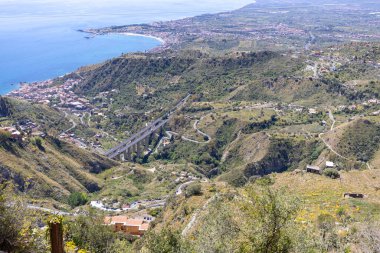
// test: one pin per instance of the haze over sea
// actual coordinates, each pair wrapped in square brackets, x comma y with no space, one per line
[39,38]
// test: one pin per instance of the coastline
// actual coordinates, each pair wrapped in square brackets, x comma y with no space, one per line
[166,41]
[9,89]
[161,40]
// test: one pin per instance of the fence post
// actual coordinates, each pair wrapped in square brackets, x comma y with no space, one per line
[56,235]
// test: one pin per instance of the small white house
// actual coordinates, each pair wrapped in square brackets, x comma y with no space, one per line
[330,164]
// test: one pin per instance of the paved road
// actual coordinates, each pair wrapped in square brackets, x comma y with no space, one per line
[311,41]
[180,188]
[131,142]
[200,132]
[48,210]
[74,124]
[195,126]
[144,132]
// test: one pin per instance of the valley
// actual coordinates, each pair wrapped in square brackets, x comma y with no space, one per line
[248,131]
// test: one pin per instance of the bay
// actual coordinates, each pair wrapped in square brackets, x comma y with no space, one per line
[39,38]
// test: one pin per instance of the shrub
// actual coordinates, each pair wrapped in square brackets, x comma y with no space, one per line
[166,240]
[16,227]
[4,136]
[271,220]
[155,212]
[77,199]
[332,173]
[89,234]
[193,190]
[38,143]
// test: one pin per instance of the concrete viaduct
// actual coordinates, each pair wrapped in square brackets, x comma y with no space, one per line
[139,141]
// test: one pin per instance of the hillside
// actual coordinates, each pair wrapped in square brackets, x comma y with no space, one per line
[275,149]
[42,166]
[222,211]
[358,140]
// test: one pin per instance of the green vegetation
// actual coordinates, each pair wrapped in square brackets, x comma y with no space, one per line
[271,215]
[4,136]
[361,140]
[77,199]
[332,173]
[53,169]
[17,227]
[89,233]
[167,241]
[260,111]
[193,190]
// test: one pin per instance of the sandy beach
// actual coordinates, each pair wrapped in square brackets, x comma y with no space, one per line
[143,35]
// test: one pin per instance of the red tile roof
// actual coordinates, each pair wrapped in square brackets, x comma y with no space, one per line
[115,219]
[144,227]
[123,219]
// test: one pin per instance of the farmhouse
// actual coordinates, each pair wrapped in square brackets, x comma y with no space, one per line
[354,195]
[313,169]
[131,226]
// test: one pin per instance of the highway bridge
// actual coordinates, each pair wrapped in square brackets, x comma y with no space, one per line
[135,143]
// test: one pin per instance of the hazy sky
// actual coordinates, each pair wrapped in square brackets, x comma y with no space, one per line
[90,4]
[108,12]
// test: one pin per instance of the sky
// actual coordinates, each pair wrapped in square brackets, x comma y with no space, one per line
[59,6]
[90,13]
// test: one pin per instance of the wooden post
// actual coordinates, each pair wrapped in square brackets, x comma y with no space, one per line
[56,236]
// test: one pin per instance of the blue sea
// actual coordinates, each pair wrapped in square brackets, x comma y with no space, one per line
[39,38]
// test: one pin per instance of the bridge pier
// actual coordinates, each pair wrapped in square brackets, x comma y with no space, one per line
[122,157]
[138,149]
[147,141]
[128,155]
[138,141]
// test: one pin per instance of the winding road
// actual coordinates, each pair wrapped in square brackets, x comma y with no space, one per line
[195,126]
[331,116]
[74,124]
[180,188]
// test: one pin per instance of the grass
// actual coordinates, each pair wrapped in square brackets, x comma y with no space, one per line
[53,172]
[130,182]
[358,139]
[320,194]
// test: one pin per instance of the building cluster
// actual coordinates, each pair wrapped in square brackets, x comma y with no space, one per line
[23,129]
[118,207]
[354,107]
[55,95]
[184,176]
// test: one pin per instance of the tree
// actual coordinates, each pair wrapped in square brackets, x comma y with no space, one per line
[271,215]
[193,189]
[332,173]
[38,143]
[77,199]
[90,233]
[220,229]
[165,241]
[16,228]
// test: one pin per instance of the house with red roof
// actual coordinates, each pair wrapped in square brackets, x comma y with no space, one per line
[131,226]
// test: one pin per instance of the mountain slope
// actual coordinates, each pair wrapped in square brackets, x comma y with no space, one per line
[45,167]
